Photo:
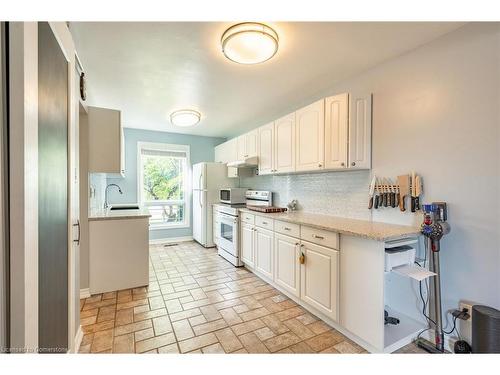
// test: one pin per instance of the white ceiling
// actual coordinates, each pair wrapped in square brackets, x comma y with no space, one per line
[148,70]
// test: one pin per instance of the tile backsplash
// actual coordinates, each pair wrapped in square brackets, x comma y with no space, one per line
[331,193]
[97,182]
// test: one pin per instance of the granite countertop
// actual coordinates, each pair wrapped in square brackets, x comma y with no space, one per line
[103,214]
[361,228]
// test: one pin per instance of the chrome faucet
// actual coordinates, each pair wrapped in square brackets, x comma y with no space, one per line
[106,205]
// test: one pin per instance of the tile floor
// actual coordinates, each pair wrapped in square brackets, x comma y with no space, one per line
[197,302]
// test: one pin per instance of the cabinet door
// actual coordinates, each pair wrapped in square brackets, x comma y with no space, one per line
[266,138]
[319,278]
[310,137]
[286,263]
[336,125]
[284,144]
[251,143]
[241,143]
[122,151]
[264,252]
[219,153]
[231,150]
[360,131]
[247,245]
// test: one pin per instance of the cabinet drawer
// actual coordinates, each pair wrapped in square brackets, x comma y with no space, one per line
[320,237]
[247,218]
[287,228]
[264,222]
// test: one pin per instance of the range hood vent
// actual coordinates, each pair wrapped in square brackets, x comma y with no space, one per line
[250,162]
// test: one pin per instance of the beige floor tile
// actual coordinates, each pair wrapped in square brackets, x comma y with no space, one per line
[319,327]
[149,314]
[306,318]
[242,328]
[184,314]
[301,347]
[125,316]
[162,325]
[275,324]
[154,342]
[252,343]
[98,327]
[230,316]
[106,313]
[210,313]
[325,340]
[156,303]
[103,340]
[197,320]
[299,329]
[169,349]
[133,327]
[264,333]
[197,342]
[124,344]
[345,347]
[209,327]
[282,341]
[228,340]
[182,329]
[144,334]
[213,349]
[88,313]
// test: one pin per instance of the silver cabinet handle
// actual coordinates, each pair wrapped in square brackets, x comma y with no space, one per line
[318,237]
[301,245]
[77,225]
[264,222]
[353,164]
[286,228]
[297,244]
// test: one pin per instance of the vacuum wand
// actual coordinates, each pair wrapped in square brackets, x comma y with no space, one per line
[434,228]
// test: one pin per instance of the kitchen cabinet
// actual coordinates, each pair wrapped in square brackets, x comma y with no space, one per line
[360,130]
[266,149]
[215,221]
[106,141]
[286,263]
[219,153]
[247,144]
[336,129]
[264,255]
[284,144]
[310,137]
[248,244]
[320,278]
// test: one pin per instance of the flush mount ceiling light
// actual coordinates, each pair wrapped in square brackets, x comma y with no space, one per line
[249,43]
[185,117]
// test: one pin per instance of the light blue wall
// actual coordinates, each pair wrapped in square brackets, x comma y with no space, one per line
[202,149]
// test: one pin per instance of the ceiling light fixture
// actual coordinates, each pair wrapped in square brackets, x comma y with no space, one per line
[249,43]
[185,117]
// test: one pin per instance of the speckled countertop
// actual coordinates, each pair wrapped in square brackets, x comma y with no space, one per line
[361,228]
[118,214]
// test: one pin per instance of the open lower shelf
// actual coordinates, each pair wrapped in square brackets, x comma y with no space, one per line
[396,336]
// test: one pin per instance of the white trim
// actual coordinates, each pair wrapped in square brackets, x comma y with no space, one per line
[84,293]
[187,182]
[170,240]
[78,340]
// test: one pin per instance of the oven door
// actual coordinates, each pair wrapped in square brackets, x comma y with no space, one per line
[227,231]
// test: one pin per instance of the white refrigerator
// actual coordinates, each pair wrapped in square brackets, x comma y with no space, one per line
[208,178]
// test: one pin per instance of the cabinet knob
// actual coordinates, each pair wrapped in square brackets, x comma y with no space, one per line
[297,244]
[353,163]
[342,164]
[320,165]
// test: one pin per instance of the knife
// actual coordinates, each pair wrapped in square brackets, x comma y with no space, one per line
[386,193]
[393,194]
[418,191]
[372,192]
[413,191]
[376,199]
[404,189]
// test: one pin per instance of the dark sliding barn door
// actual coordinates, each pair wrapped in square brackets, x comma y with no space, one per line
[53,192]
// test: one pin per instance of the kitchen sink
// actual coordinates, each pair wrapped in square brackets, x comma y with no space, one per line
[125,207]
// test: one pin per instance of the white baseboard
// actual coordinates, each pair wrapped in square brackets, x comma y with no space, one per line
[84,293]
[78,340]
[170,240]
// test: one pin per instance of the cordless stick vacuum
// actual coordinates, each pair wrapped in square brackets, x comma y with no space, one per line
[434,228]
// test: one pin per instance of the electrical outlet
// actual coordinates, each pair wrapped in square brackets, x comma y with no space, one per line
[468,306]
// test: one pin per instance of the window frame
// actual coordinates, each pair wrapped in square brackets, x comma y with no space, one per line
[187,181]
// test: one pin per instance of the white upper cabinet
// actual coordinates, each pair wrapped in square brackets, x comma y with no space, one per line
[219,153]
[266,148]
[251,143]
[284,144]
[241,143]
[106,141]
[232,150]
[360,131]
[310,137]
[336,130]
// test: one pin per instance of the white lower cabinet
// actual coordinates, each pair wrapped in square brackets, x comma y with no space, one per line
[264,245]
[320,278]
[286,263]
[247,244]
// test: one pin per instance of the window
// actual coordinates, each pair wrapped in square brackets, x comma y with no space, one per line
[163,183]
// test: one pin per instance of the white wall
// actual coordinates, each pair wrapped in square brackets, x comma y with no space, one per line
[436,110]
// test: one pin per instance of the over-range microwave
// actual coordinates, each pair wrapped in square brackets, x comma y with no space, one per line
[232,195]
